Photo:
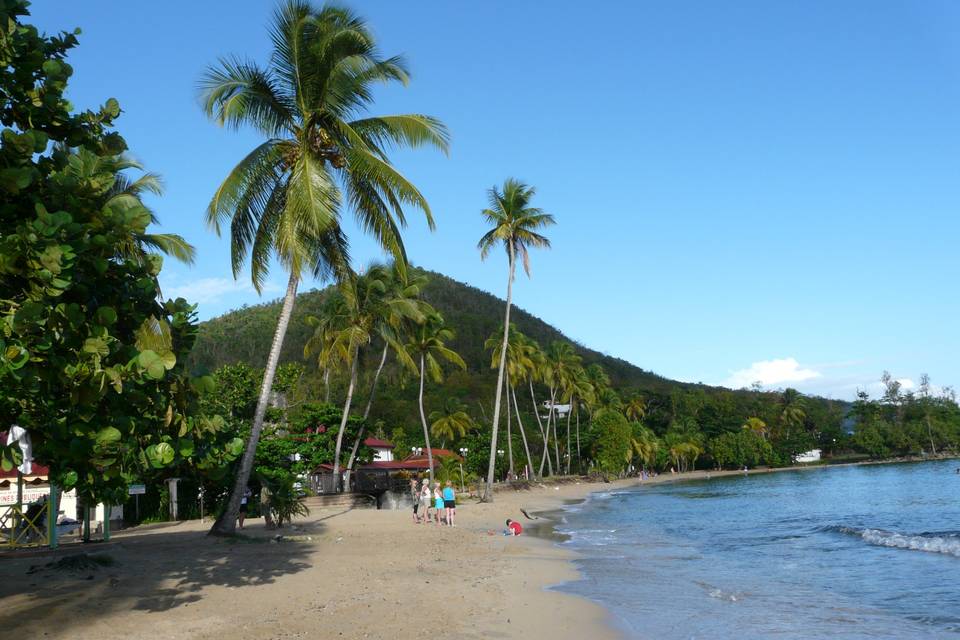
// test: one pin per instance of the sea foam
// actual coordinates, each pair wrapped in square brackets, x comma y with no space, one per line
[931,543]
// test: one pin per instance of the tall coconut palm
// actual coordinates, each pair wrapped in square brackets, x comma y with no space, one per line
[322,155]
[515,227]
[562,362]
[362,305]
[427,348]
[519,365]
[537,372]
[403,308]
[576,390]
[568,378]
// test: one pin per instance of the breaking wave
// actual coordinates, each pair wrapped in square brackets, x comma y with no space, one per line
[946,543]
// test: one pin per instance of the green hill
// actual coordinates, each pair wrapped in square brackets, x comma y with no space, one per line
[244,335]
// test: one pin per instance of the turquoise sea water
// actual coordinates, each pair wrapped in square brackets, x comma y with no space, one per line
[849,552]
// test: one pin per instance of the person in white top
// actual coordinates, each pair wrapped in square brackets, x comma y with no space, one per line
[426,501]
[242,515]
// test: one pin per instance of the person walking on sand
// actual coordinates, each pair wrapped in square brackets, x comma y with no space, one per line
[266,497]
[438,501]
[450,503]
[426,501]
[242,514]
[415,496]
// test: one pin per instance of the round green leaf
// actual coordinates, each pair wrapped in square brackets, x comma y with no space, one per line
[235,447]
[108,436]
[106,316]
[186,447]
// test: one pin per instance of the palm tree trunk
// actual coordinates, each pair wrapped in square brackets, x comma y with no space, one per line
[345,417]
[226,524]
[326,385]
[569,411]
[933,447]
[488,490]
[423,419]
[579,461]
[536,412]
[546,443]
[523,434]
[506,382]
[366,413]
[556,450]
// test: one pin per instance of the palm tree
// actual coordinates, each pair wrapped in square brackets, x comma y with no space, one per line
[757,426]
[577,389]
[402,308]
[515,227]
[451,423]
[645,445]
[792,413]
[536,372]
[600,382]
[284,200]
[563,362]
[636,408]
[519,364]
[569,372]
[362,305]
[125,196]
[428,347]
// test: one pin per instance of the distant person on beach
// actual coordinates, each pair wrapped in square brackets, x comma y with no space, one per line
[514,528]
[242,515]
[450,503]
[438,501]
[415,496]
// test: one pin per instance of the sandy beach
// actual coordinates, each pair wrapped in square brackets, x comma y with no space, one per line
[358,573]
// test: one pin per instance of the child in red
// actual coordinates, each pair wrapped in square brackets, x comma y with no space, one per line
[513,528]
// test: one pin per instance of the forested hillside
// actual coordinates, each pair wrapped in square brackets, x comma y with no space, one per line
[244,336]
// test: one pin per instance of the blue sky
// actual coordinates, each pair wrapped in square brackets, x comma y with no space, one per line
[744,191]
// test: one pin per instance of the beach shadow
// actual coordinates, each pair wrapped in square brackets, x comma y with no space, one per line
[146,571]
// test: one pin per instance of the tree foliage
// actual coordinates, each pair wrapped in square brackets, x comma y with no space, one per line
[92,364]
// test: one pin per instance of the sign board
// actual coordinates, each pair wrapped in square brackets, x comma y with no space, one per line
[30,495]
[137,489]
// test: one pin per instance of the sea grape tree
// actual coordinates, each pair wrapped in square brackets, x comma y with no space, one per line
[92,363]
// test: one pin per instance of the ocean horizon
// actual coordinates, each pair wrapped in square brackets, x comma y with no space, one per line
[852,552]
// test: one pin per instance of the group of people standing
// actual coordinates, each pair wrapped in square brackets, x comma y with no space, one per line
[433,504]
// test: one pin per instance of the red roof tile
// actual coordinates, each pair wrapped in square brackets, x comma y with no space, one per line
[377,442]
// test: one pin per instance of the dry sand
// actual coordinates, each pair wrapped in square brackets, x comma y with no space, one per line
[338,573]
[358,573]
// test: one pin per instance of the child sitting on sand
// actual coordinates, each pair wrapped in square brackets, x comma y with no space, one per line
[513,528]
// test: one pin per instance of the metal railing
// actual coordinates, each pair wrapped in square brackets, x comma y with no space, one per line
[24,527]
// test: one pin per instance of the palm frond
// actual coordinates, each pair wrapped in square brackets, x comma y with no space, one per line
[169,244]
[237,93]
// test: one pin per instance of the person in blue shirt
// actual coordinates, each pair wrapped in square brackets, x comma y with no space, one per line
[450,503]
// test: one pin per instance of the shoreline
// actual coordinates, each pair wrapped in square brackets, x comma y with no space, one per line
[355,573]
[547,533]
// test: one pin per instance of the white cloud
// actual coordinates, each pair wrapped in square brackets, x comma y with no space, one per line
[769,373]
[208,290]
[906,384]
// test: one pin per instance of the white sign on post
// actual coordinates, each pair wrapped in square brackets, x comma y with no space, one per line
[137,489]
